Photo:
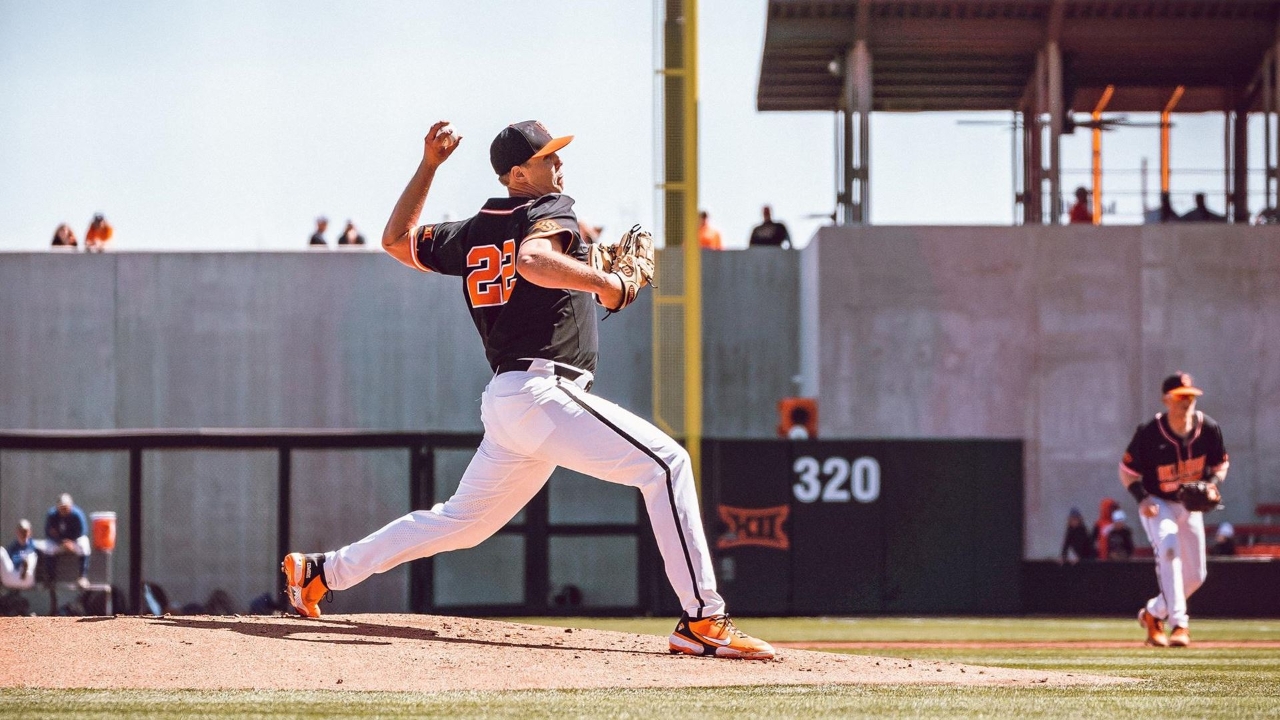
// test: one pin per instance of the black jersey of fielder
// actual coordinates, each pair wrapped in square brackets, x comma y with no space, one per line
[516,318]
[1165,461]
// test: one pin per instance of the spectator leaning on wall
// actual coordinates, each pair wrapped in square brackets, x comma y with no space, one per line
[322,224]
[98,234]
[769,232]
[64,237]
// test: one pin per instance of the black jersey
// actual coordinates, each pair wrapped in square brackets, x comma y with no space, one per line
[1165,461]
[516,318]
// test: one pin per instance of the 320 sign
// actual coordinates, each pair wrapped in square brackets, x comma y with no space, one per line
[835,479]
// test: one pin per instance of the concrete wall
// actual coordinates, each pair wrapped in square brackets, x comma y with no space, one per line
[319,340]
[1059,335]
[751,334]
[1056,335]
[325,340]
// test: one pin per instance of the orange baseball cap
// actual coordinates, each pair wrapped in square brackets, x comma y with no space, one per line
[1179,384]
[520,142]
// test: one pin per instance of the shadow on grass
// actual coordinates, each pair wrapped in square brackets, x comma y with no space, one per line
[347,632]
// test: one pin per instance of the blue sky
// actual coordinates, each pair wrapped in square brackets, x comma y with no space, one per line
[219,125]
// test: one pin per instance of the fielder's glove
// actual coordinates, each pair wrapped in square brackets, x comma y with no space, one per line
[1200,496]
[631,260]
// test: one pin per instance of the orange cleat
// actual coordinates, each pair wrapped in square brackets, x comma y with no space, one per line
[1155,629]
[716,636]
[304,582]
[1180,637]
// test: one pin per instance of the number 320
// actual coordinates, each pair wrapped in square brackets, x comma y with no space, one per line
[864,474]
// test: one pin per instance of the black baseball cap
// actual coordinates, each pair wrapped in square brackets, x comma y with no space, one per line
[1179,384]
[520,142]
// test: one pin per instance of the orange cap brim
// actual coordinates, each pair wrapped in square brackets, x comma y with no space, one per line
[552,146]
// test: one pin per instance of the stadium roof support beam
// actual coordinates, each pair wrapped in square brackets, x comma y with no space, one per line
[1053,70]
[1237,129]
[1033,102]
[853,200]
[1271,161]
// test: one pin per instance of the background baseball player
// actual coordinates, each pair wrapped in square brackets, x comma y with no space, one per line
[1172,467]
[531,284]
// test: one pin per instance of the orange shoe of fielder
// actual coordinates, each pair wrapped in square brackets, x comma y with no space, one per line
[716,636]
[1154,627]
[1180,637]
[304,582]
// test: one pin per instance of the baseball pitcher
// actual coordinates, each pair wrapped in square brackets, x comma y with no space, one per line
[531,284]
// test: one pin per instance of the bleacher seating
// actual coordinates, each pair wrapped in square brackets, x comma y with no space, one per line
[1257,540]
[1248,533]
[1266,550]
[1269,512]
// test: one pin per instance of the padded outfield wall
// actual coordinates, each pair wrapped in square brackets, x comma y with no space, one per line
[1058,335]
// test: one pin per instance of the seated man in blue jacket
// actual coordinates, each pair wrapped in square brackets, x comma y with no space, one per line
[18,560]
[66,530]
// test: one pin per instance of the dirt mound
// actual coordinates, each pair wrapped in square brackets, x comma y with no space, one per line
[419,653]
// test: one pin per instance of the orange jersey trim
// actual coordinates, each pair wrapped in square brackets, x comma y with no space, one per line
[422,232]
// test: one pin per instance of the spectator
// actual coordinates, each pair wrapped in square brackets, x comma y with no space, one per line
[1119,538]
[1224,543]
[1167,213]
[1099,534]
[1081,213]
[708,235]
[64,236]
[322,224]
[66,530]
[350,236]
[98,234]
[770,232]
[1200,213]
[1076,545]
[18,561]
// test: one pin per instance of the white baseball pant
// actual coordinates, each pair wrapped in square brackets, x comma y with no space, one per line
[534,421]
[13,576]
[1177,537]
[54,547]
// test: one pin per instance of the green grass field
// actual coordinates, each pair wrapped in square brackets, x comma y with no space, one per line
[1194,682]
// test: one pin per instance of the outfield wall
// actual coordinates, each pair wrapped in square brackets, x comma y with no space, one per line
[1058,335]
[319,340]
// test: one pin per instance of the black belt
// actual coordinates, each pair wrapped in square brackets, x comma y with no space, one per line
[565,371]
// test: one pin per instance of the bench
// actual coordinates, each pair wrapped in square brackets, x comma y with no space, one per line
[62,572]
[1248,533]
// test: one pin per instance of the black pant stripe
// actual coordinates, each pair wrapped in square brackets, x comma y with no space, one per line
[671,491]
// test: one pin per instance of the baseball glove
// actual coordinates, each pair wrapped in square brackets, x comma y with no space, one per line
[1200,496]
[631,260]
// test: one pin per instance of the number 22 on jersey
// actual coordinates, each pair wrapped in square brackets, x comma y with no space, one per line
[492,274]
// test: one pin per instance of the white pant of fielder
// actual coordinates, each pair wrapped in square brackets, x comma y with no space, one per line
[533,422]
[1177,538]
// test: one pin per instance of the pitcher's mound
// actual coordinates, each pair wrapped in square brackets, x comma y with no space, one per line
[420,653]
